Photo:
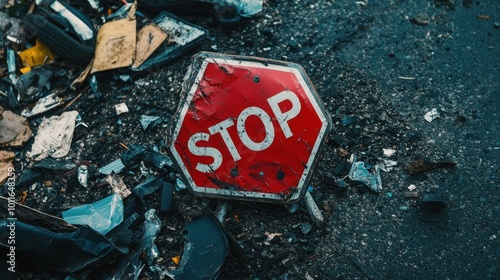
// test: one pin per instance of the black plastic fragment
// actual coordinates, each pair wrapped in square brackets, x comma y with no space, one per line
[433,202]
[151,185]
[9,101]
[205,248]
[29,177]
[54,164]
[166,197]
[158,161]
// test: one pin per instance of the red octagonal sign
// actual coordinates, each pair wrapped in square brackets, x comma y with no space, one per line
[247,128]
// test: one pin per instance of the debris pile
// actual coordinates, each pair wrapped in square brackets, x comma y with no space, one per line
[113,205]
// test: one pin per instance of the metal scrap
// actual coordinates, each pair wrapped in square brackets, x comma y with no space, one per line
[313,210]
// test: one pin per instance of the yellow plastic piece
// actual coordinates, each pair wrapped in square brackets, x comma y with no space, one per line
[37,55]
[176,259]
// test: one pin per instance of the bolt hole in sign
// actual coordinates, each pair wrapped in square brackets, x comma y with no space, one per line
[247,128]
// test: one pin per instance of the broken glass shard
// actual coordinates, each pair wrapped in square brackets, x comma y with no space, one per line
[116,166]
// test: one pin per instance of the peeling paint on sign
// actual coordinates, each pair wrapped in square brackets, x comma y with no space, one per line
[248,128]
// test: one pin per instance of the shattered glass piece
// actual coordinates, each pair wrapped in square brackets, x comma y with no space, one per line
[292,208]
[125,78]
[116,166]
[14,130]
[221,211]
[150,121]
[94,4]
[102,215]
[117,184]
[79,121]
[205,248]
[93,85]
[305,228]
[179,185]
[152,226]
[131,265]
[431,115]
[387,165]
[149,186]
[11,65]
[54,136]
[247,8]
[133,155]
[360,174]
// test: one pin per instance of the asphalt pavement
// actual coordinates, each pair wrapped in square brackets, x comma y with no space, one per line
[381,68]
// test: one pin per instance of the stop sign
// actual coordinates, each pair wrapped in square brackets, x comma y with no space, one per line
[247,128]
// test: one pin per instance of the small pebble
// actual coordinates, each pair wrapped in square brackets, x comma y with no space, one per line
[421,19]
[305,228]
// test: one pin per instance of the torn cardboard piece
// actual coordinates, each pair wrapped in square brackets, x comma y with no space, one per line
[54,136]
[149,38]
[6,166]
[116,41]
[14,130]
